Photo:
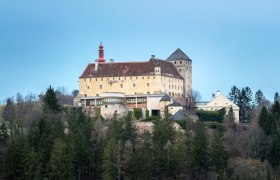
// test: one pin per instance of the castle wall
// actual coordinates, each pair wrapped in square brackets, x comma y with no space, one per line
[153,84]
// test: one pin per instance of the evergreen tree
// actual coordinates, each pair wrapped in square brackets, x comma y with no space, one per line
[80,133]
[259,97]
[275,110]
[245,104]
[16,159]
[61,162]
[218,154]
[3,146]
[141,162]
[3,135]
[50,101]
[263,119]
[234,95]
[41,140]
[201,152]
[274,151]
[109,160]
[163,132]
[276,97]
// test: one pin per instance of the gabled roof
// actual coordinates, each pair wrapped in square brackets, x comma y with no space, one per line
[221,101]
[165,98]
[174,104]
[179,115]
[147,68]
[178,55]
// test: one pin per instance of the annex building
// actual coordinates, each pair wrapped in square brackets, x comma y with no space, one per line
[122,86]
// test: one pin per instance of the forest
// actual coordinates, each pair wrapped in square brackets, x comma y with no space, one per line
[42,138]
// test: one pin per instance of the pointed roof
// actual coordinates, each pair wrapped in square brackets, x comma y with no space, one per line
[165,98]
[178,55]
[179,115]
[174,104]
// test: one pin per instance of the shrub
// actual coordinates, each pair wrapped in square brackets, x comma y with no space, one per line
[212,116]
[137,113]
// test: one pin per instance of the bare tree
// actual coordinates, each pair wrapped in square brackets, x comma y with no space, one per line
[192,98]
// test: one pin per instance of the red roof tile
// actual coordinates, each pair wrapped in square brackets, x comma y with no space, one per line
[131,69]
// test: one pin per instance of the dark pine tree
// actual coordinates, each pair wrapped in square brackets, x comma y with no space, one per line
[234,95]
[259,97]
[201,152]
[218,154]
[50,101]
[276,97]
[274,151]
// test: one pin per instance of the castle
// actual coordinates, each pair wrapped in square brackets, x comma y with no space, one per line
[121,86]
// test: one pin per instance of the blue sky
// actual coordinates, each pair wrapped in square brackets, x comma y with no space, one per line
[50,42]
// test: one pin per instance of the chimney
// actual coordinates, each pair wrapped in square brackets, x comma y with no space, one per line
[218,93]
[96,64]
[111,60]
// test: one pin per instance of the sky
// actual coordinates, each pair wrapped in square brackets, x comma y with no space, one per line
[232,42]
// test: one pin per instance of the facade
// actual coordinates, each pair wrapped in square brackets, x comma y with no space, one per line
[142,84]
[218,102]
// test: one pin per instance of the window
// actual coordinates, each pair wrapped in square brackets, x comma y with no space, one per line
[106,106]
[130,77]
[96,79]
[119,78]
[101,79]
[100,87]
[143,77]
[135,77]
[148,92]
[174,62]
[148,77]
[121,85]
[180,62]
[90,79]
[88,87]
[85,95]
[84,80]
[148,84]
[180,70]
[133,84]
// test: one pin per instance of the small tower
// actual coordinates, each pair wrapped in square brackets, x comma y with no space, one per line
[101,54]
[184,66]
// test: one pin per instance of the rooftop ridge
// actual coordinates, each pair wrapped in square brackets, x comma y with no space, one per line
[178,54]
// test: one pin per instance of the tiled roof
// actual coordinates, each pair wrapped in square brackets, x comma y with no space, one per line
[178,55]
[131,69]
[181,101]
[165,98]
[174,104]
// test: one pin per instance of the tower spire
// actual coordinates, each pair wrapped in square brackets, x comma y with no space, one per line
[101,54]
